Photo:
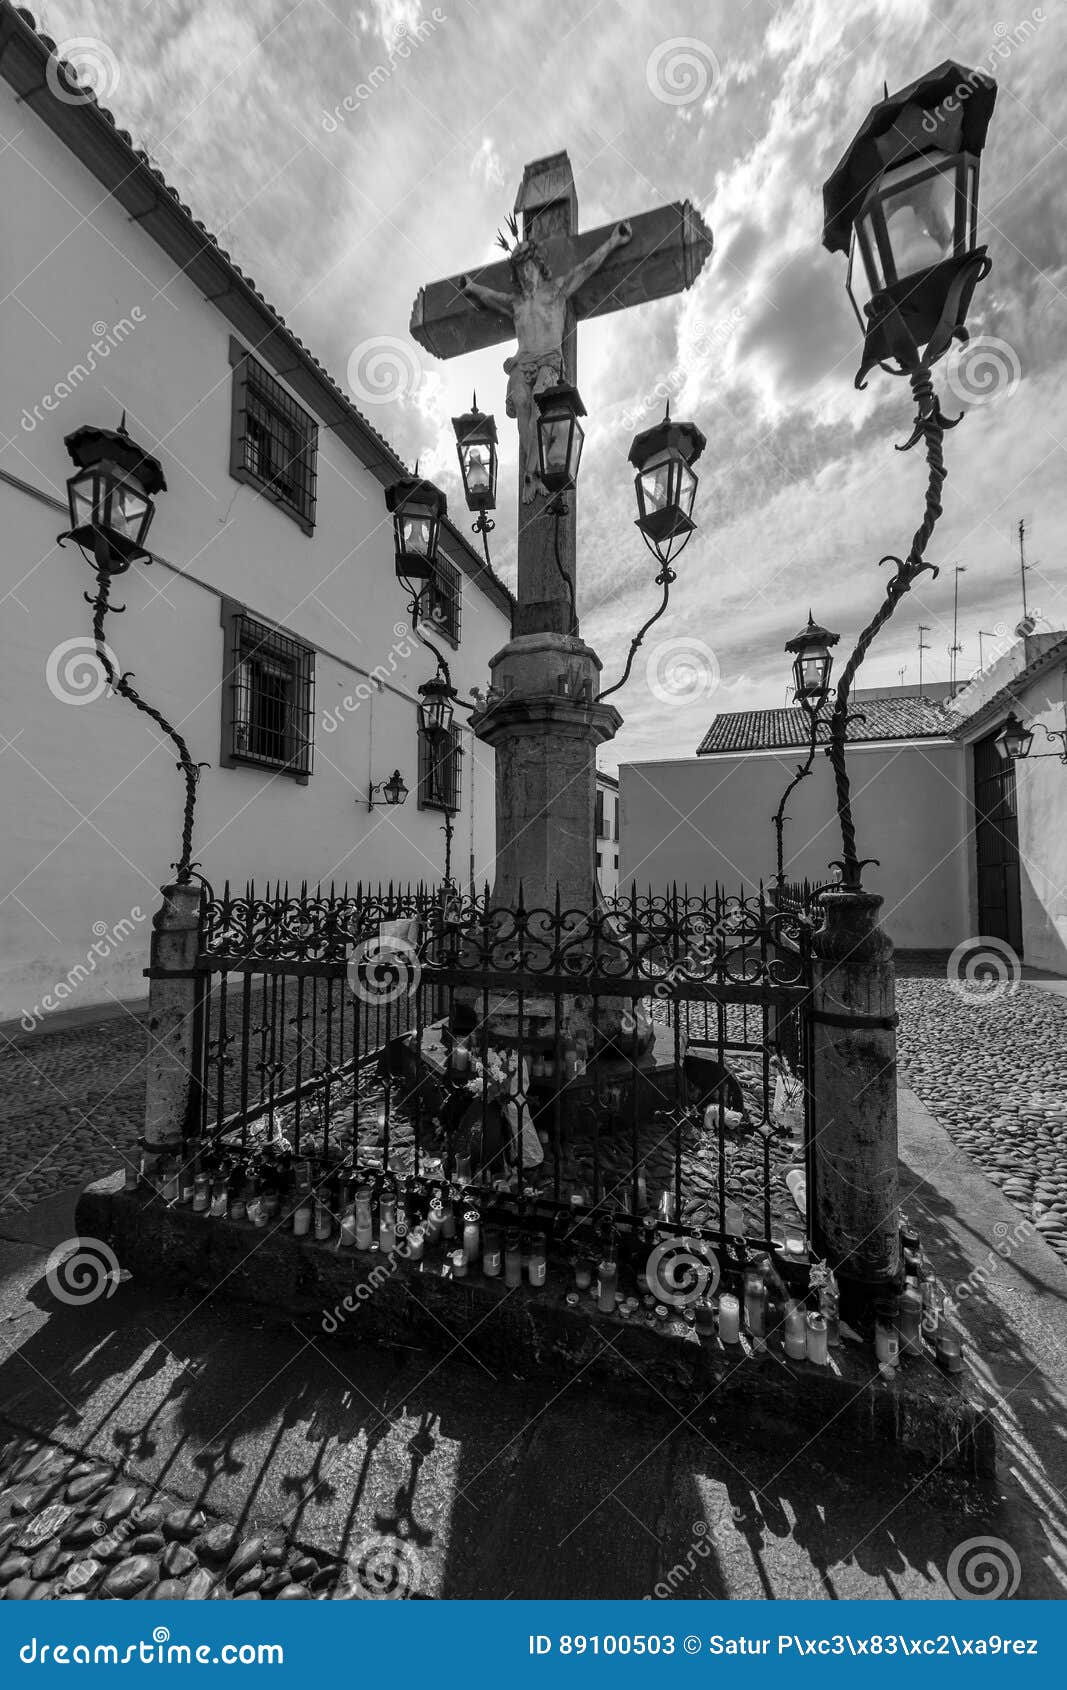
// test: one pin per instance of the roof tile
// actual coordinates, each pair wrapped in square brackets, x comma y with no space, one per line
[780,730]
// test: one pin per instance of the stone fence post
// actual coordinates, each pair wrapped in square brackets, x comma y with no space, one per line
[855,1224]
[172,1091]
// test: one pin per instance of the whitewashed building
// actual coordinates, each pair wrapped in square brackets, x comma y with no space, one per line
[269,628]
[970,844]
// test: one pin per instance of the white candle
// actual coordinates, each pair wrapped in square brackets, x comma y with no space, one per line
[729,1318]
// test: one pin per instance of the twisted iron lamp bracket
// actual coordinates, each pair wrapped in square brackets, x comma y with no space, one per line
[802,771]
[665,579]
[930,427]
[438,655]
[484,527]
[101,562]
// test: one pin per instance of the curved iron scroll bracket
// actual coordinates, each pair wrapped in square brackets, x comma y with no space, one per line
[664,579]
[121,685]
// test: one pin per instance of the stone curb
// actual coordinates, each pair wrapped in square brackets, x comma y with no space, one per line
[536,1333]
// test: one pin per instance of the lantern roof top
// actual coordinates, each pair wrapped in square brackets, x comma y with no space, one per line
[90,445]
[813,634]
[685,437]
[415,487]
[563,393]
[480,423]
[905,125]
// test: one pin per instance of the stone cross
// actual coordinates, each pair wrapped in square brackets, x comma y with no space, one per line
[544,721]
[658,253]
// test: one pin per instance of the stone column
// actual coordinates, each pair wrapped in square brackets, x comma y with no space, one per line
[853,1164]
[174,998]
[545,730]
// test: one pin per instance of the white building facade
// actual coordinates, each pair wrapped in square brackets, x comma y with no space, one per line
[269,629]
[607,833]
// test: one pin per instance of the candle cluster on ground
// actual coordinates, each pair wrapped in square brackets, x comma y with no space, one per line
[647,1274]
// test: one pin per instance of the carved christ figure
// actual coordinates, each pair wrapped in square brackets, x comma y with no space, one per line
[538,309]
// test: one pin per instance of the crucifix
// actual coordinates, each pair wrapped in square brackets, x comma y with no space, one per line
[545,722]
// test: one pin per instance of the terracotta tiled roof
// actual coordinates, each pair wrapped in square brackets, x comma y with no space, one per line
[778,730]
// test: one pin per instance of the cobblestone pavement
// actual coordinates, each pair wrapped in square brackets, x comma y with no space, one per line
[71,1105]
[73,1528]
[991,1066]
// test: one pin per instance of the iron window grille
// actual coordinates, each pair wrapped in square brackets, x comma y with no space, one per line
[274,441]
[439,771]
[269,700]
[440,601]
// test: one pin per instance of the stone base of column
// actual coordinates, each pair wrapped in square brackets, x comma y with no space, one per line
[853,1158]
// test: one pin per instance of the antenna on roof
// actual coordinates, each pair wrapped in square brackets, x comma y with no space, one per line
[955,648]
[924,628]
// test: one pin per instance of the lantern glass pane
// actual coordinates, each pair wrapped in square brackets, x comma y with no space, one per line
[687,488]
[82,490]
[555,437]
[919,208]
[477,468]
[656,491]
[417,532]
[127,510]
[577,441]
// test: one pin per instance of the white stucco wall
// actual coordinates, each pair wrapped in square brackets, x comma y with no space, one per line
[1041,794]
[699,820]
[92,797]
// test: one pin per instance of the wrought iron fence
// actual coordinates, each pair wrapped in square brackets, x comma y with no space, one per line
[564,1065]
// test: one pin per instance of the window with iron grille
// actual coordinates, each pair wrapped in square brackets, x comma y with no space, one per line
[600,812]
[273,442]
[440,600]
[439,771]
[268,697]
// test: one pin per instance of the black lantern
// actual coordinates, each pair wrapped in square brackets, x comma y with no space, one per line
[812,663]
[435,711]
[560,436]
[110,494]
[1014,740]
[476,446]
[417,507]
[393,791]
[903,202]
[666,484]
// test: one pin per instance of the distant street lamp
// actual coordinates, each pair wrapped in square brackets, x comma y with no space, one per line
[393,791]
[436,708]
[812,663]
[665,485]
[905,195]
[476,447]
[110,495]
[1014,740]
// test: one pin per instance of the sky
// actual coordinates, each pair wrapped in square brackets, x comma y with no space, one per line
[347,154]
